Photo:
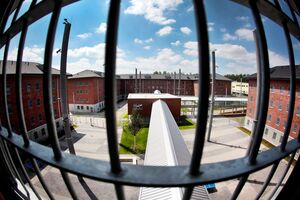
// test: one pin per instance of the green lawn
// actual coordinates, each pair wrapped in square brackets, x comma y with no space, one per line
[186,123]
[126,145]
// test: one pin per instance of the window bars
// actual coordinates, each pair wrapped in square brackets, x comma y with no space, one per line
[150,176]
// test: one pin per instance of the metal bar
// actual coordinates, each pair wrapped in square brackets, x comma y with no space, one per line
[269,10]
[293,13]
[110,84]
[267,181]
[292,87]
[68,184]
[17,11]
[5,18]
[204,78]
[4,89]
[264,82]
[14,167]
[36,12]
[47,81]
[283,175]
[153,176]
[63,86]
[212,101]
[6,161]
[41,179]
[239,187]
[19,89]
[26,174]
[187,193]
[110,90]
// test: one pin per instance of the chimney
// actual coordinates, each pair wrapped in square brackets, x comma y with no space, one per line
[140,83]
[179,88]
[174,89]
[135,82]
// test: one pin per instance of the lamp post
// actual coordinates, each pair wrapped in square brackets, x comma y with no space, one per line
[212,101]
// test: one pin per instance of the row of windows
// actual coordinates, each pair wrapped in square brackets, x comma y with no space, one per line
[82,91]
[82,84]
[274,136]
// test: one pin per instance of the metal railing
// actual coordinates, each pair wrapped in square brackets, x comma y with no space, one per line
[151,176]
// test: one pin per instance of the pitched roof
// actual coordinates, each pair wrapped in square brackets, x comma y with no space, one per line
[87,74]
[280,73]
[31,68]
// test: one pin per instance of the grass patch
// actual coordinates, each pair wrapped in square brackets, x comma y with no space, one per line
[127,139]
[185,123]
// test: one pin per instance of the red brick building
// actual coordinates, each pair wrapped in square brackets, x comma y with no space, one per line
[33,104]
[86,91]
[142,103]
[278,104]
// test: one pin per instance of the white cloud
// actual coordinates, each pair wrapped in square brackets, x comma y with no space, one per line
[185,30]
[149,40]
[211,26]
[244,33]
[191,48]
[190,9]
[102,28]
[31,54]
[153,10]
[223,30]
[227,37]
[245,20]
[147,47]
[164,31]
[176,43]
[137,41]
[84,35]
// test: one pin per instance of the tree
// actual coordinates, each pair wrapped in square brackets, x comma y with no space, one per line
[134,125]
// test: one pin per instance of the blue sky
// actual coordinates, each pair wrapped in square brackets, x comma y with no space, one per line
[156,35]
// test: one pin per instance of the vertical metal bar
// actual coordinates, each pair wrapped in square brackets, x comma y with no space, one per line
[283,175]
[110,83]
[5,157]
[63,86]
[203,51]
[19,91]
[14,167]
[110,89]
[292,87]
[267,181]
[25,174]
[264,82]
[203,80]
[292,12]
[5,16]
[4,89]
[68,184]
[47,81]
[212,101]
[239,187]
[17,11]
[40,177]
[47,92]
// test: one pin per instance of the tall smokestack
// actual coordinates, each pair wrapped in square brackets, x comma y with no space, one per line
[174,89]
[140,85]
[135,82]
[179,88]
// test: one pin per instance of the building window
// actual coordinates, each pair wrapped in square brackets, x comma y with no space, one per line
[38,102]
[279,105]
[298,111]
[8,92]
[88,108]
[28,87]
[251,98]
[40,117]
[271,103]
[32,120]
[37,86]
[295,128]
[86,91]
[266,131]
[35,135]
[269,117]
[80,91]
[86,83]
[43,131]
[9,108]
[30,103]
[78,107]
[274,135]
[281,89]
[81,107]
[287,107]
[277,121]
[280,140]
[272,88]
[80,83]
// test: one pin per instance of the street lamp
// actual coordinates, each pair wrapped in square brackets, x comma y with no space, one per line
[212,101]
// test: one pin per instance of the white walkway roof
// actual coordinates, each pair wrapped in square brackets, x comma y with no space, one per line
[166,147]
